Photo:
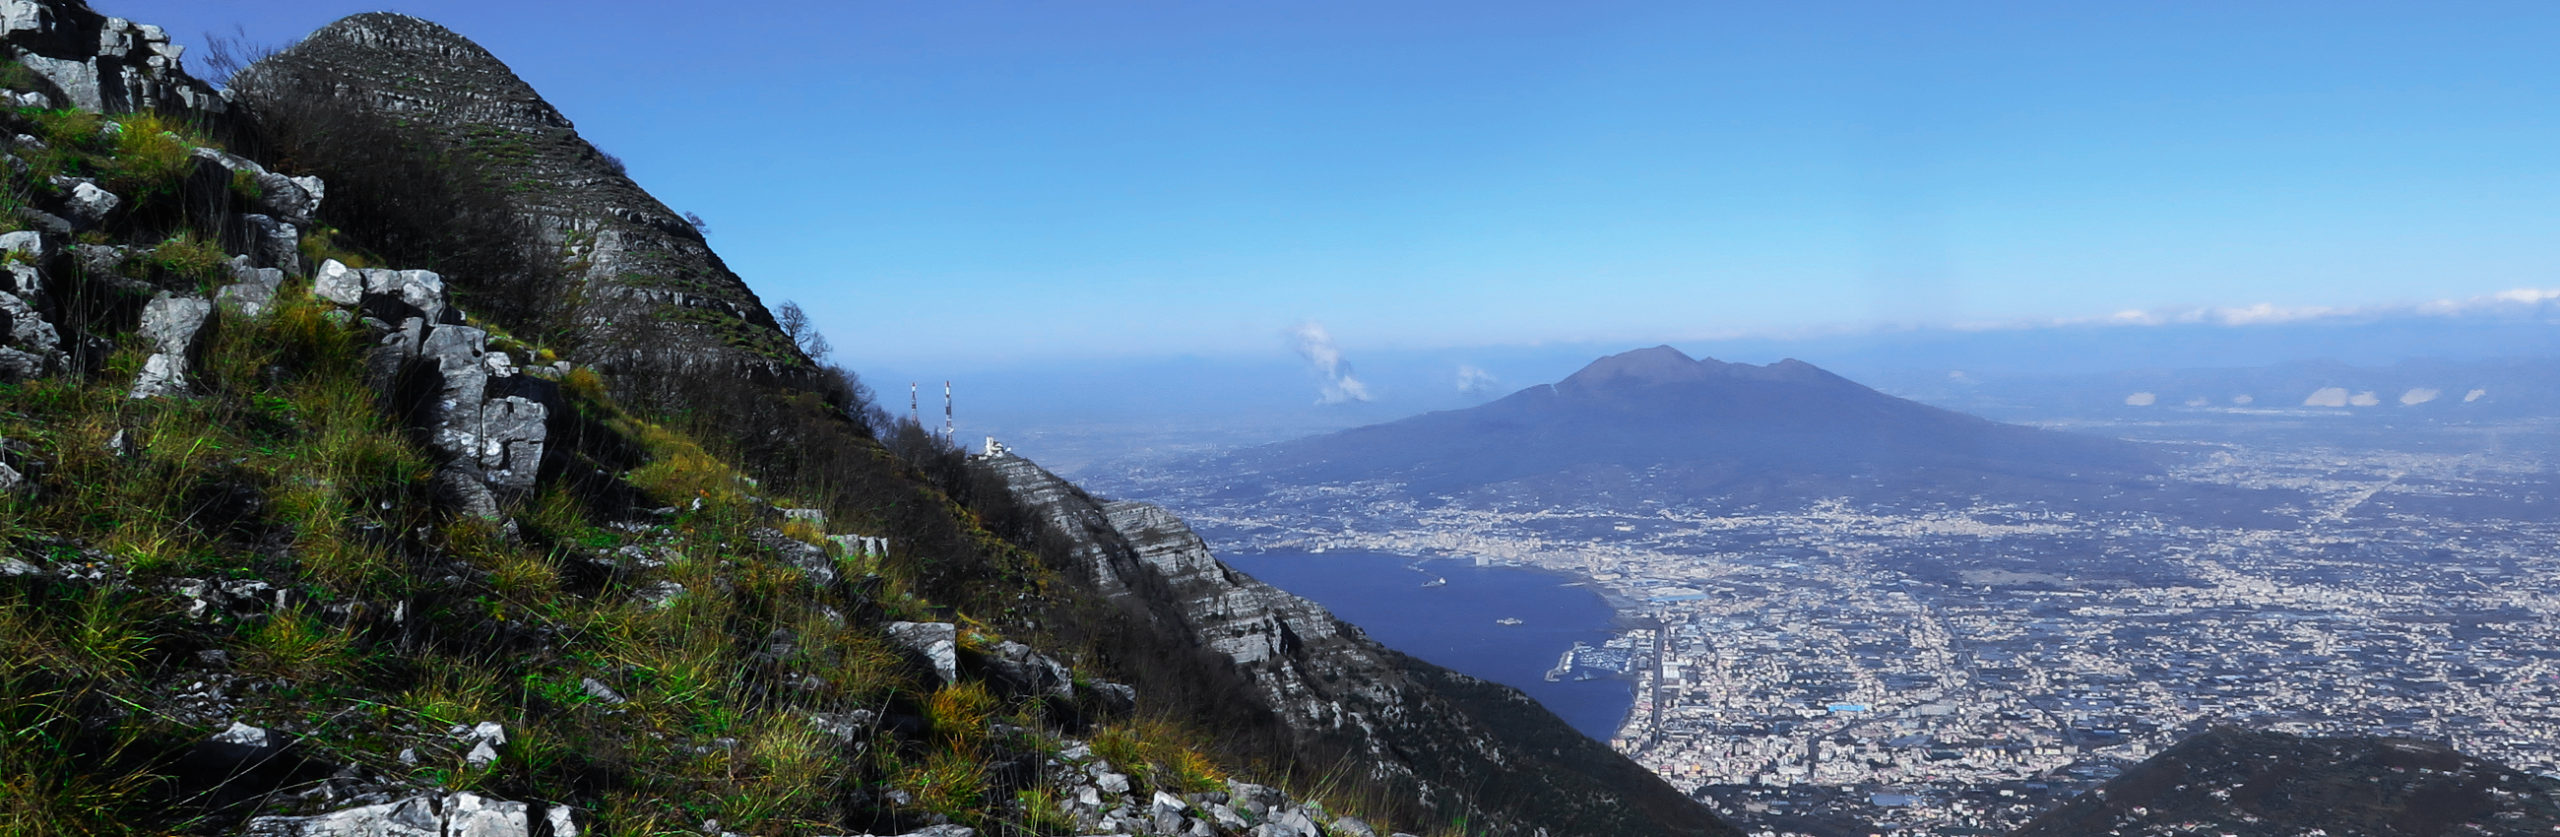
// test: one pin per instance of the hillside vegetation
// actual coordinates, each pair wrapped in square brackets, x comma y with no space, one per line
[379,459]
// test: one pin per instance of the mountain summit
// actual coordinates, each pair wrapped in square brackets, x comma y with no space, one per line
[1656,424]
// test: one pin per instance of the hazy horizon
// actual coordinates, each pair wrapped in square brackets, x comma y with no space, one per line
[957,187]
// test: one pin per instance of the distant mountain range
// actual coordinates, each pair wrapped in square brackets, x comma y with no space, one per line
[1655,424]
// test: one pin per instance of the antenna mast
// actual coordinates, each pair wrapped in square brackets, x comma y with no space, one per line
[946,410]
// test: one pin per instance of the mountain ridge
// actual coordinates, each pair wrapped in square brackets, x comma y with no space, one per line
[1654,424]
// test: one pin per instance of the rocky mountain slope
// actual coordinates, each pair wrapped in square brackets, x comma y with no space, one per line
[294,540]
[2235,782]
[1466,748]
[1654,424]
[638,288]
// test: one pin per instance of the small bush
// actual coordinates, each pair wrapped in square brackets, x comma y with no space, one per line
[148,159]
[191,259]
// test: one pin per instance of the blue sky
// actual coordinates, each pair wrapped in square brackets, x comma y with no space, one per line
[979,183]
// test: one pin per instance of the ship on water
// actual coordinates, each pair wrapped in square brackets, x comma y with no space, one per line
[1508,621]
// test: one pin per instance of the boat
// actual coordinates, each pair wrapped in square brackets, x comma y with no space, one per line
[1436,582]
[1507,621]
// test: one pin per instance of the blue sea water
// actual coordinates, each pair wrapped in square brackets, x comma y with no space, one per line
[1453,624]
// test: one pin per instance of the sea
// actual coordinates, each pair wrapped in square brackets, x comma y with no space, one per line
[1453,624]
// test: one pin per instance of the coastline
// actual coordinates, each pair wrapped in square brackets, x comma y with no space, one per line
[1451,614]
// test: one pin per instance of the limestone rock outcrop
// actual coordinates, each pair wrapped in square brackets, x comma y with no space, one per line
[100,63]
[175,325]
[448,815]
[489,421]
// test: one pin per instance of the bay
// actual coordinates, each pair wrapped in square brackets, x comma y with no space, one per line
[1454,625]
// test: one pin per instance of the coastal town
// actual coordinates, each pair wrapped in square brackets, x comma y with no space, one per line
[1851,669]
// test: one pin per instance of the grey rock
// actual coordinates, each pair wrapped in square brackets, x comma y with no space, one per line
[813,517]
[418,816]
[29,346]
[175,327]
[29,243]
[659,594]
[1025,671]
[937,642]
[244,735]
[861,546]
[1167,802]
[90,205]
[1224,817]
[846,727]
[1111,782]
[1253,797]
[1116,698]
[408,291]
[104,64]
[513,431]
[598,690]
[273,243]
[252,291]
[25,281]
[1352,827]
[942,831]
[338,283]
[293,200]
[1294,822]
[47,222]
[12,567]
[473,815]
[811,561]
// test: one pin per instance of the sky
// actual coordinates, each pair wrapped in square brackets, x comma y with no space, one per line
[975,184]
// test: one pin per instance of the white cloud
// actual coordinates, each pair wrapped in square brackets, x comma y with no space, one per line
[1316,345]
[2141,399]
[1474,381]
[2267,313]
[2419,395]
[2327,397]
[2364,399]
[2473,395]
[2244,400]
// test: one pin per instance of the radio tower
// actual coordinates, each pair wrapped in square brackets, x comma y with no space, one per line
[946,411]
[912,415]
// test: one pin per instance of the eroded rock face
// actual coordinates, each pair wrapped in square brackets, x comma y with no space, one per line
[100,63]
[653,297]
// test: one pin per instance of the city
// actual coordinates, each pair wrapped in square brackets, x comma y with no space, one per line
[1842,670]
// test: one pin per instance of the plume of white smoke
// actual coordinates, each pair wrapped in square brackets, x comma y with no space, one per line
[1316,345]
[1476,382]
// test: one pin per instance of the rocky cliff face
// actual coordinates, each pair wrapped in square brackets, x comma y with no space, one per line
[1459,747]
[100,63]
[644,289]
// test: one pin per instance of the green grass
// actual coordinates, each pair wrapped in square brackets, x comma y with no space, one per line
[283,467]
